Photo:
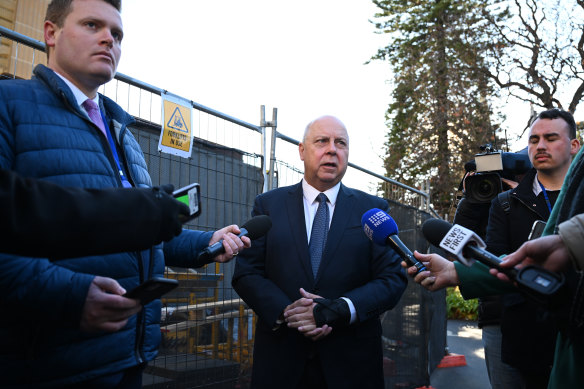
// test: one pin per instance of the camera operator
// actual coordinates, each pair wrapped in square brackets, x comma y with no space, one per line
[528,332]
[472,212]
[552,144]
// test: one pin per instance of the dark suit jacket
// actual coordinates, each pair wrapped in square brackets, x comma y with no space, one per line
[268,277]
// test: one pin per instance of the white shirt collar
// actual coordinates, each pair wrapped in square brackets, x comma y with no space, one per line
[536,187]
[311,192]
[80,97]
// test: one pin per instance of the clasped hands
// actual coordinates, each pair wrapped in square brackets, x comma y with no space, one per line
[299,315]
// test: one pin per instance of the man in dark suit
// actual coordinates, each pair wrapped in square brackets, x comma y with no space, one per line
[318,310]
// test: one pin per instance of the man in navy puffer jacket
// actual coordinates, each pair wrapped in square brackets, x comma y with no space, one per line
[65,323]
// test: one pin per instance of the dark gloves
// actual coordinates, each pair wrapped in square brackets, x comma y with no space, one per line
[335,312]
[173,212]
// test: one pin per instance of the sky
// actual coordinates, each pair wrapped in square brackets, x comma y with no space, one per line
[304,57]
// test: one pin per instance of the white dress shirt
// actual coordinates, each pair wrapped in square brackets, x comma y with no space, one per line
[310,206]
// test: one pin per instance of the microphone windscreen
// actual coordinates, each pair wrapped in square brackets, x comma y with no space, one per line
[435,230]
[257,226]
[378,225]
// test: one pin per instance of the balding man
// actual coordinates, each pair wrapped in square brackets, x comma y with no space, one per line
[317,283]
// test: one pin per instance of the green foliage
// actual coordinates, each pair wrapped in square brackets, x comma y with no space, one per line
[458,308]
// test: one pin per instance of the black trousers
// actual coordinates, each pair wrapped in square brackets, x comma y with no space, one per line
[313,376]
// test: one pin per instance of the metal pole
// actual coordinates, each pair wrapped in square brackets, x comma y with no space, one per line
[428,198]
[274,125]
[269,174]
[264,151]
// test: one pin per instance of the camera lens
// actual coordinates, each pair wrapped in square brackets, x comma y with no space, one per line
[485,188]
[482,188]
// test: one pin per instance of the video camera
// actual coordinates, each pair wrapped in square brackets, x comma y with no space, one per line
[491,165]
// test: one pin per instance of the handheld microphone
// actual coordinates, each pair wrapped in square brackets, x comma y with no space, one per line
[382,229]
[536,282]
[254,228]
[462,243]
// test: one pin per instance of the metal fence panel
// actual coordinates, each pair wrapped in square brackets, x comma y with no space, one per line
[207,330]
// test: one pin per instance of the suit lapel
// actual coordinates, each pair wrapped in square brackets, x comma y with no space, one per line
[339,223]
[295,208]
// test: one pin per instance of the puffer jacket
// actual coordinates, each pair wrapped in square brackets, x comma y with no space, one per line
[44,134]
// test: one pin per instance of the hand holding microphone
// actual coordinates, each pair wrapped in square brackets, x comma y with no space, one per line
[440,272]
[537,283]
[548,252]
[460,242]
[382,229]
[254,228]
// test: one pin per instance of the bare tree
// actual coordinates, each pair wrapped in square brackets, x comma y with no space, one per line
[452,59]
[542,56]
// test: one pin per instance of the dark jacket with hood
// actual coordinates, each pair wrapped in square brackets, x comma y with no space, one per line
[529,332]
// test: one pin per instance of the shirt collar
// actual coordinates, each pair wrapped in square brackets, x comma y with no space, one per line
[536,186]
[311,192]
[80,97]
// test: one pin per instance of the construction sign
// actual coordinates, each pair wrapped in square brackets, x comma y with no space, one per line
[177,126]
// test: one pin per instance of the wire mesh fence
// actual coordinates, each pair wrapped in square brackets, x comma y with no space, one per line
[207,330]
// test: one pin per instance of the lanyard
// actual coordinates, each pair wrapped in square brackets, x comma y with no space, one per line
[545,195]
[112,143]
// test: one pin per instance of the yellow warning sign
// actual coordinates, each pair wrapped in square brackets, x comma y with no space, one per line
[176,136]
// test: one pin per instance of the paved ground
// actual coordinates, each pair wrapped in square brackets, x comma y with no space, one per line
[463,338]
